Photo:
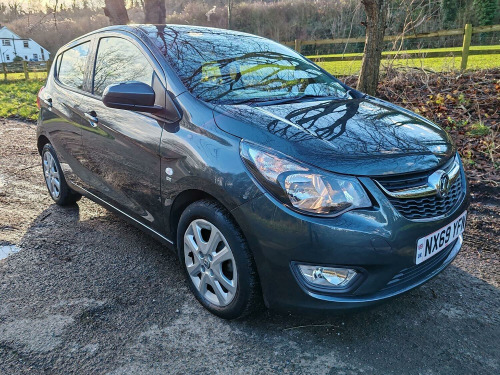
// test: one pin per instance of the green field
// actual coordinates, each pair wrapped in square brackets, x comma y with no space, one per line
[18,99]
[18,76]
[344,68]
[419,51]
[437,64]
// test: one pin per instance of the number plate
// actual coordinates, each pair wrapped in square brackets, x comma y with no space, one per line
[432,244]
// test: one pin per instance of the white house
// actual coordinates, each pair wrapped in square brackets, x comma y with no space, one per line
[12,45]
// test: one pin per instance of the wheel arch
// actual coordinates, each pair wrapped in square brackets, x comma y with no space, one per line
[41,141]
[181,202]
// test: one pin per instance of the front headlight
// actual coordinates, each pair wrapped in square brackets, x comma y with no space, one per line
[303,188]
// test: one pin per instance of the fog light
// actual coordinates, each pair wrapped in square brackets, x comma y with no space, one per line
[327,276]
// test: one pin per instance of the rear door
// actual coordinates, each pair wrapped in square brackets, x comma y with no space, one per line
[122,146]
[64,98]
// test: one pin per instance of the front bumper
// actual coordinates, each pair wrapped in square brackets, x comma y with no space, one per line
[379,242]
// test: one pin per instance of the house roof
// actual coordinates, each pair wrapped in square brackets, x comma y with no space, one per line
[5,32]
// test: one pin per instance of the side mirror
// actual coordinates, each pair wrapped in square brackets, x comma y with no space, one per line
[134,96]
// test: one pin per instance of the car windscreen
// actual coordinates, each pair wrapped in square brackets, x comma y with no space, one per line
[225,67]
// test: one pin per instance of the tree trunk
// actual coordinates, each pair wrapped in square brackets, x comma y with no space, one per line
[155,11]
[116,12]
[229,14]
[376,15]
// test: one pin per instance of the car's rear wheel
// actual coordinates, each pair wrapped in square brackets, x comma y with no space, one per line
[59,190]
[217,262]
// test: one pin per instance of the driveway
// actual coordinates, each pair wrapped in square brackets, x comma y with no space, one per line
[83,292]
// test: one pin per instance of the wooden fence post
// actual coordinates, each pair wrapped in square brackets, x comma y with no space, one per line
[466,45]
[4,66]
[25,69]
[49,65]
[298,45]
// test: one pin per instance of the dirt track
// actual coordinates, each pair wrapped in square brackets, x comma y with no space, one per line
[89,294]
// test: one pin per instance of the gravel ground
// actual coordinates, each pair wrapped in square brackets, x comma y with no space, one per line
[89,294]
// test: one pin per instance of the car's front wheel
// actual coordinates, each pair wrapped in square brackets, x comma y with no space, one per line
[217,262]
[59,190]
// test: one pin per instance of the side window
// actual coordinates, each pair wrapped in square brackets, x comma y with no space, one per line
[118,60]
[72,65]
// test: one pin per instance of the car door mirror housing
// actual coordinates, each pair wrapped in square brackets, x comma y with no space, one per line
[171,112]
[134,96]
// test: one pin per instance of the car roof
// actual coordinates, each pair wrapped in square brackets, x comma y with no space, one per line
[146,29]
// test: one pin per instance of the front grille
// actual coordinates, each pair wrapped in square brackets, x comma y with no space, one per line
[410,274]
[410,181]
[423,207]
[428,207]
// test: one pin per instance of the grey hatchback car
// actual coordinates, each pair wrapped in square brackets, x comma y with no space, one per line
[272,180]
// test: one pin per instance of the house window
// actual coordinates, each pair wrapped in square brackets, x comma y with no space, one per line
[7,57]
[5,42]
[26,57]
[26,44]
[35,57]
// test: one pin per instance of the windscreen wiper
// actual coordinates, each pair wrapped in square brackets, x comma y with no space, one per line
[292,99]
[298,98]
[245,101]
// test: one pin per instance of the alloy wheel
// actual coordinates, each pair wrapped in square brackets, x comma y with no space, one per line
[210,262]
[52,176]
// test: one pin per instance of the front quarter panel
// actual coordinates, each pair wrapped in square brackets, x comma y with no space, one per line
[197,156]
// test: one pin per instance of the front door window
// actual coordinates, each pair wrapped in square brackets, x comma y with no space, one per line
[119,60]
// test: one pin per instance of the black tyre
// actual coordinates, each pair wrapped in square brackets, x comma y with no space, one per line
[218,265]
[59,190]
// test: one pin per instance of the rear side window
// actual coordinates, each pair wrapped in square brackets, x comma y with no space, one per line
[72,65]
[118,60]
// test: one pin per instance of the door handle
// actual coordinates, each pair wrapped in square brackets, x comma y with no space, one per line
[92,117]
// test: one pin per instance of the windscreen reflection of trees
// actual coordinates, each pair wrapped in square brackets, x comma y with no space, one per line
[219,66]
[118,60]
[72,68]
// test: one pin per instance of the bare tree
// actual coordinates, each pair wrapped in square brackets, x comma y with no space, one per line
[154,11]
[116,12]
[376,15]
[229,13]
[15,8]
[55,14]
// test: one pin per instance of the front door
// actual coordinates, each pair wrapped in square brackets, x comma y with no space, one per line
[122,146]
